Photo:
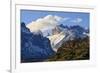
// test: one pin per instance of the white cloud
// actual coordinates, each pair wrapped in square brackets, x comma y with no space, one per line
[58,18]
[45,22]
[61,19]
[77,20]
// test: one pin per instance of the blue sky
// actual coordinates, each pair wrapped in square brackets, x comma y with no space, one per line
[73,18]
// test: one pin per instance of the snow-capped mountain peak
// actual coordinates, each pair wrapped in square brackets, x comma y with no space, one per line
[57,33]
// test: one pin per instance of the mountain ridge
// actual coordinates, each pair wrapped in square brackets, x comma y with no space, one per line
[34,47]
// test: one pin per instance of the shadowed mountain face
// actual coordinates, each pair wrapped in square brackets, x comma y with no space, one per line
[78,32]
[77,29]
[34,47]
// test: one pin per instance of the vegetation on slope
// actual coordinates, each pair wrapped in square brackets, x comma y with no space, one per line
[72,50]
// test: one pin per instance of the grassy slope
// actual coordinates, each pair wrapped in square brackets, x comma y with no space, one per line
[72,50]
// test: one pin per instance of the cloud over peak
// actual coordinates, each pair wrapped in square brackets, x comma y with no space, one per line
[45,22]
[77,20]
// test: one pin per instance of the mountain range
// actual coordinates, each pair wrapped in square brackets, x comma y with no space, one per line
[34,47]
[41,39]
[72,33]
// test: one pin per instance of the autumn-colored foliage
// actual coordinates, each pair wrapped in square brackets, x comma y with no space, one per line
[72,50]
